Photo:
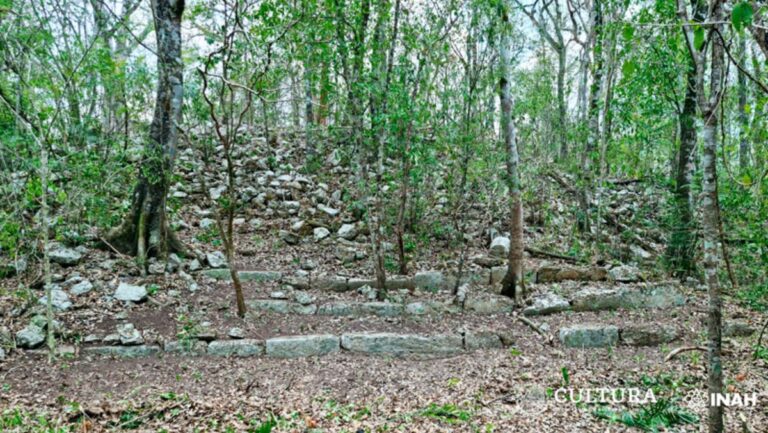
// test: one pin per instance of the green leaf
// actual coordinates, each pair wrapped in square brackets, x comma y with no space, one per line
[628,68]
[742,15]
[628,32]
[698,38]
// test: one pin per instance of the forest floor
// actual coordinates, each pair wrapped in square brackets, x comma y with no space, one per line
[501,389]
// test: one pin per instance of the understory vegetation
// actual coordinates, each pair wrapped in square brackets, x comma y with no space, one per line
[415,135]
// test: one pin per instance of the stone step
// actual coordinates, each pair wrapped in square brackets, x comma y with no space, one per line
[648,296]
[595,335]
[425,280]
[299,346]
[484,304]
[664,295]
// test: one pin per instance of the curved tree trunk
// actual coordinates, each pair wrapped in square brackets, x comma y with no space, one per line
[144,231]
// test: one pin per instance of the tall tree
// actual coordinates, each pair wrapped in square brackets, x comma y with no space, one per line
[514,276]
[709,107]
[548,20]
[144,230]
[593,135]
[680,249]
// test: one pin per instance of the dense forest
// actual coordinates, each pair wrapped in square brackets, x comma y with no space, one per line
[389,215]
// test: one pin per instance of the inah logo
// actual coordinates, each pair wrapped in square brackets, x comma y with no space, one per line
[697,400]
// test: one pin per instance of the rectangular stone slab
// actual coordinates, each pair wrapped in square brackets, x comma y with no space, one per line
[589,336]
[236,348]
[302,346]
[123,351]
[257,276]
[402,344]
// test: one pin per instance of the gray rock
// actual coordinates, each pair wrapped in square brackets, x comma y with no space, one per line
[382,309]
[303,298]
[281,306]
[279,294]
[5,336]
[417,308]
[648,335]
[187,347]
[123,351]
[30,337]
[81,288]
[207,223]
[336,284]
[738,329]
[624,274]
[288,237]
[547,303]
[588,335]
[174,262]
[156,268]
[62,255]
[129,292]
[302,346]
[244,347]
[339,309]
[112,339]
[216,259]
[257,276]
[300,227]
[320,233]
[500,246]
[206,332]
[194,265]
[368,292]
[192,285]
[129,336]
[331,212]
[489,304]
[488,262]
[660,296]
[482,340]
[236,333]
[59,299]
[347,231]
[429,280]
[640,253]
[402,344]
[2,354]
[307,265]
[554,274]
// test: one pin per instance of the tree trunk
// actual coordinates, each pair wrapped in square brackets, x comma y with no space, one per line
[144,230]
[680,248]
[710,215]
[593,135]
[744,148]
[309,116]
[514,276]
[562,127]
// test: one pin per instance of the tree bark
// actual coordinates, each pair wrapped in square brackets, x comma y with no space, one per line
[710,215]
[144,231]
[593,135]
[681,243]
[514,275]
[744,147]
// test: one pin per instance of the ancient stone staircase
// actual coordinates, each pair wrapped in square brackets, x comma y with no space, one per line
[581,311]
